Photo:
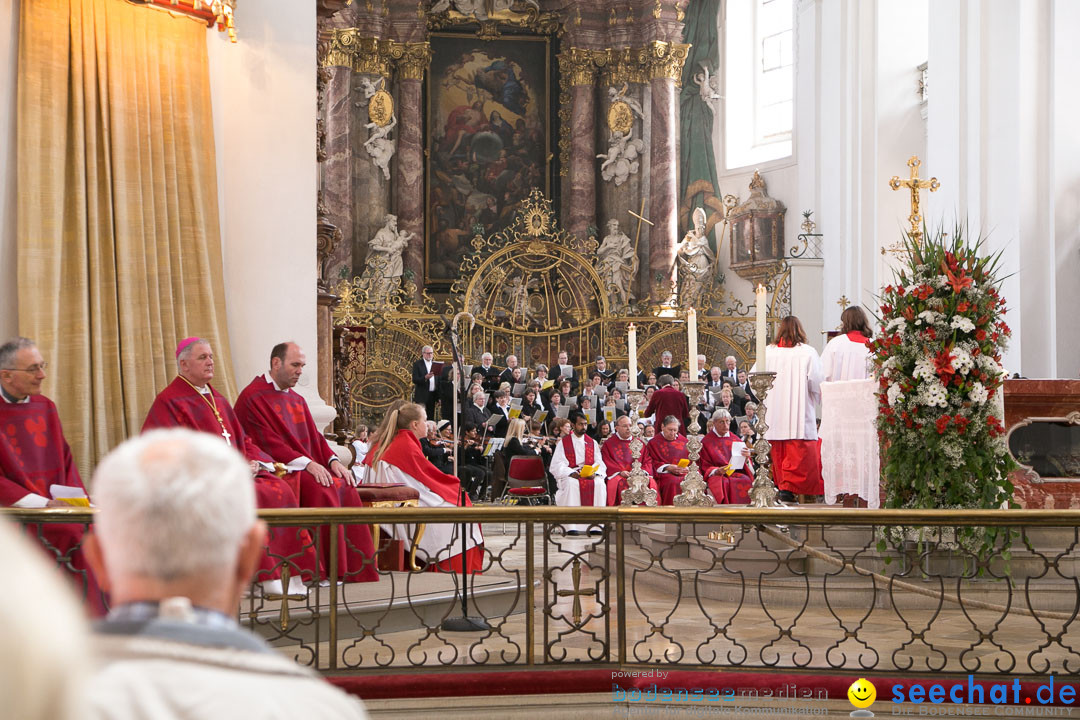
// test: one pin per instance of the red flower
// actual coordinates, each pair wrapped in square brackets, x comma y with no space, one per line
[994,426]
[983,319]
[961,423]
[943,362]
[923,291]
[958,281]
[942,423]
[980,334]
[909,314]
[900,291]
[958,380]
[963,306]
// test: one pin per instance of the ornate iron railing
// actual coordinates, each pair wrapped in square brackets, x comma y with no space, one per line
[870,591]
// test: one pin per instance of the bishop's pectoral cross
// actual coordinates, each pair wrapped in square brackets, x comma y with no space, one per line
[226,434]
[914,184]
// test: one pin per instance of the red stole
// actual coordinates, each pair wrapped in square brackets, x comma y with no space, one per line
[280,423]
[857,337]
[784,344]
[586,485]
[404,453]
[33,451]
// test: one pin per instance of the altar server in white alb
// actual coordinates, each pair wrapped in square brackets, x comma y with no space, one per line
[849,442]
[796,456]
[572,453]
[847,356]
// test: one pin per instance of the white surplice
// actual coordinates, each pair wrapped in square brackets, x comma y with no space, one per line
[849,441]
[845,359]
[797,388]
[568,493]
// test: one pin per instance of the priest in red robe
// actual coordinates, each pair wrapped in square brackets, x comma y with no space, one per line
[619,461]
[396,456]
[727,486]
[34,456]
[189,401]
[668,401]
[661,459]
[279,421]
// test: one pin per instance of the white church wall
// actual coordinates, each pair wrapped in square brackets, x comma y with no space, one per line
[1001,114]
[9,43]
[263,90]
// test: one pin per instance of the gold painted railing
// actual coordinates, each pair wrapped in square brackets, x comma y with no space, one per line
[872,591]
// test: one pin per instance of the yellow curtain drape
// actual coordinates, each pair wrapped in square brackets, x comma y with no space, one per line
[119,246]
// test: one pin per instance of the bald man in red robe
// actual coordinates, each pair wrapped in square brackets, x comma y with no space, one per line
[661,460]
[279,421]
[34,456]
[189,401]
[727,486]
[619,461]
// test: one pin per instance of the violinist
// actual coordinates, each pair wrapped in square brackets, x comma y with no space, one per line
[472,470]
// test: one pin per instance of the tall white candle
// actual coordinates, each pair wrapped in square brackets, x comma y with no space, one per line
[691,341]
[762,308]
[631,342]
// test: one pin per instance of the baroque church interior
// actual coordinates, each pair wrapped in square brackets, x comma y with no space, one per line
[638,183]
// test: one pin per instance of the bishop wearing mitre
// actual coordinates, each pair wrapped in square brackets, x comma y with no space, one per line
[190,401]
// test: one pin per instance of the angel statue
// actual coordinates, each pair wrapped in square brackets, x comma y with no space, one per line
[479,9]
[707,86]
[621,159]
[379,146]
[617,264]
[695,260]
[383,268]
[369,87]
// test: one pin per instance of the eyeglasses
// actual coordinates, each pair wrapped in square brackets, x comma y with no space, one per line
[33,369]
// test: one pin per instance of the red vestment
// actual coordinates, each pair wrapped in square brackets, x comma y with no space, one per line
[732,489]
[405,454]
[33,456]
[617,458]
[661,451]
[586,486]
[668,401]
[796,466]
[280,423]
[181,405]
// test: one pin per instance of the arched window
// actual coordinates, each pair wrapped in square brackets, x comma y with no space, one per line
[759,81]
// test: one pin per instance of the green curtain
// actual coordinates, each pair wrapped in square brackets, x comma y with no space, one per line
[697,164]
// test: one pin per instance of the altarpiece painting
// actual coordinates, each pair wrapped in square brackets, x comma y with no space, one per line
[487,140]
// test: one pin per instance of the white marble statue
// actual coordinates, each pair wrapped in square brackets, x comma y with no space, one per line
[479,9]
[379,145]
[621,160]
[695,261]
[383,268]
[708,86]
[617,264]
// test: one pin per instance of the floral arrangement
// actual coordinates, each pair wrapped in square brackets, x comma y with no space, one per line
[938,364]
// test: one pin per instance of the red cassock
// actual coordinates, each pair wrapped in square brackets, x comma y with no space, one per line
[405,454]
[796,466]
[617,458]
[280,423]
[181,405]
[33,456]
[668,401]
[661,451]
[732,489]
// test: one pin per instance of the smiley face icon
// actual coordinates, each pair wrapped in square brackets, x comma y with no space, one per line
[862,693]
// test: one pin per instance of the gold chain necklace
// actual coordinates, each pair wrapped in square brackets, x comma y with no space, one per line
[213,406]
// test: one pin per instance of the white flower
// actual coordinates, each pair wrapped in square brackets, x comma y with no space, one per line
[962,361]
[924,370]
[978,394]
[961,323]
[926,316]
[897,324]
[894,394]
[934,394]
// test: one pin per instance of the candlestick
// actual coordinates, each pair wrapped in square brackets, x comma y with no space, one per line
[691,341]
[762,492]
[631,342]
[638,491]
[761,302]
[693,485]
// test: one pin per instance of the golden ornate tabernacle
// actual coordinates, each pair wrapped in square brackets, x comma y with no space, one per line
[534,290]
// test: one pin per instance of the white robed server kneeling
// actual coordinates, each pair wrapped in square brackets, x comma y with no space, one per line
[571,454]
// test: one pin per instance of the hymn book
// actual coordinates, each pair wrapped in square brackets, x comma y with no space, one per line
[70,495]
[540,416]
[685,462]
[587,471]
[566,371]
[494,445]
[563,411]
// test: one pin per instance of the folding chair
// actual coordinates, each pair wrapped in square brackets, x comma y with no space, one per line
[526,481]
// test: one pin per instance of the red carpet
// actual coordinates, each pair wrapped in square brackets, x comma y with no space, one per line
[531,681]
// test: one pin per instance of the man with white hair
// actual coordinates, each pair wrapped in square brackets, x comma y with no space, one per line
[176,541]
[36,466]
[424,377]
[666,368]
[191,402]
[507,375]
[489,372]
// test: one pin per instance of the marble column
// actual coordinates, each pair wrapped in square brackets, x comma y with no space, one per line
[370,187]
[665,62]
[409,176]
[664,181]
[582,176]
[335,173]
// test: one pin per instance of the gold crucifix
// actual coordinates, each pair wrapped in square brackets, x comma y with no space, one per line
[915,185]
[640,219]
[843,302]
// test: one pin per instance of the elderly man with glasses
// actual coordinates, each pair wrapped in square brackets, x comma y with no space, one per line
[36,466]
